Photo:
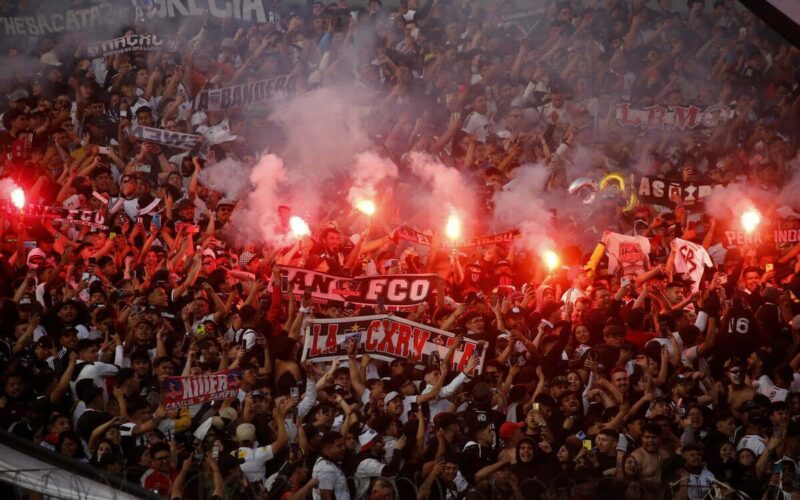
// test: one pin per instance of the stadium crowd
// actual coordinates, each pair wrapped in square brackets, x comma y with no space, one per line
[601,378]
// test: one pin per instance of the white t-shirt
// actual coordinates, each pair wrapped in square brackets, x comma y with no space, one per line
[254,460]
[690,259]
[477,125]
[367,469]
[330,478]
[630,253]
[766,387]
[666,342]
[699,484]
[441,404]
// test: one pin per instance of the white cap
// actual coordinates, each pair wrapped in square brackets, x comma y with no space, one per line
[390,396]
[50,59]
[201,431]
[366,438]
[246,432]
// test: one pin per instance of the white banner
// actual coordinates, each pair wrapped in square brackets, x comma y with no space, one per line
[130,43]
[386,338]
[38,24]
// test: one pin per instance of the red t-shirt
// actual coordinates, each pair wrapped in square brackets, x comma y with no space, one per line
[639,338]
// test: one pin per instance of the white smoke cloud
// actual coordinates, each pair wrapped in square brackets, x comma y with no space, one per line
[256,220]
[228,176]
[369,170]
[443,189]
[728,202]
[6,186]
[524,206]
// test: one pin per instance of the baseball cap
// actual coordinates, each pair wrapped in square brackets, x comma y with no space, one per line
[366,439]
[228,414]
[391,396]
[226,202]
[246,432]
[17,95]
[508,428]
[50,59]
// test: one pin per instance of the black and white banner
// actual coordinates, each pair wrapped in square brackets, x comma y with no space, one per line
[40,22]
[76,217]
[782,233]
[668,117]
[386,338]
[164,137]
[252,11]
[397,291]
[414,236]
[658,191]
[131,43]
[245,94]
[526,19]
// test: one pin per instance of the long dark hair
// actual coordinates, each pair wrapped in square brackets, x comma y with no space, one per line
[79,453]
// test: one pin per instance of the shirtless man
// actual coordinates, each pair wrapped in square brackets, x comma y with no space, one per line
[738,391]
[650,455]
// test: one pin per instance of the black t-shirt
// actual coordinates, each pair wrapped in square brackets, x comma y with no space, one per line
[472,415]
[473,458]
[89,421]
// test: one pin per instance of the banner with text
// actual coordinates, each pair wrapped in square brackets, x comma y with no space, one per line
[180,392]
[659,117]
[246,94]
[76,217]
[131,43]
[41,22]
[659,191]
[783,233]
[164,137]
[251,11]
[398,291]
[386,338]
[526,19]
[414,236]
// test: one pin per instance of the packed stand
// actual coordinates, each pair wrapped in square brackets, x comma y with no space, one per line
[638,384]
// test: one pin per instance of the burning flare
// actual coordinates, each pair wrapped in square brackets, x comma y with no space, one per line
[750,220]
[453,227]
[366,207]
[18,198]
[550,259]
[299,227]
